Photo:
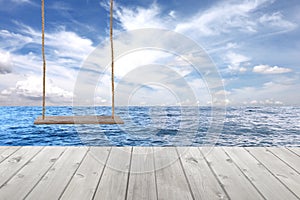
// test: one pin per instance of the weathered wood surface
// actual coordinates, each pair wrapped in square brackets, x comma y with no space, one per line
[90,119]
[113,183]
[202,180]
[230,176]
[84,182]
[287,175]
[142,183]
[259,175]
[149,173]
[171,180]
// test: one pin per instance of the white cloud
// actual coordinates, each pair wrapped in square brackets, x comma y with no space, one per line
[60,6]
[223,93]
[69,44]
[219,102]
[252,102]
[136,59]
[13,41]
[278,103]
[266,69]
[276,20]
[141,17]
[5,63]
[268,102]
[21,1]
[61,42]
[221,47]
[270,93]
[17,1]
[172,13]
[146,96]
[221,18]
[231,45]
[264,102]
[234,17]
[236,60]
[65,51]
[31,88]
[12,4]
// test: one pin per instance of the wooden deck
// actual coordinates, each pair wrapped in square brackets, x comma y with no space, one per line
[149,173]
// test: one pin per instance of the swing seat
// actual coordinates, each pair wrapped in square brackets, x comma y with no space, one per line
[77,119]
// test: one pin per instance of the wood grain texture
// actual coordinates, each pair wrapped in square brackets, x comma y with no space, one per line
[149,173]
[5,152]
[265,182]
[230,176]
[142,183]
[113,183]
[84,182]
[171,180]
[10,166]
[203,183]
[289,177]
[89,119]
[56,179]
[286,156]
[30,174]
[295,150]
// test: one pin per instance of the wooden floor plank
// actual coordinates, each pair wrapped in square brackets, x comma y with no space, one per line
[113,183]
[7,151]
[233,180]
[2,149]
[15,162]
[53,183]
[287,156]
[30,174]
[142,183]
[295,150]
[171,181]
[282,171]
[267,184]
[204,184]
[84,182]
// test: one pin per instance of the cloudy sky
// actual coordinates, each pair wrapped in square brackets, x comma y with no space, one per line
[254,44]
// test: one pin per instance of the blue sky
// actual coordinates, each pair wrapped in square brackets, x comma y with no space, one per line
[254,44]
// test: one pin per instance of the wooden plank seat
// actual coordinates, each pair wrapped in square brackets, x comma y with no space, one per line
[77,119]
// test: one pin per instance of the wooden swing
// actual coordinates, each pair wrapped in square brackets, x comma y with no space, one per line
[86,119]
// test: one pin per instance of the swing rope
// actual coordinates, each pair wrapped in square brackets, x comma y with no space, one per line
[112,61]
[44,59]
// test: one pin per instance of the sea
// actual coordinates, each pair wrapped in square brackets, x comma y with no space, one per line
[156,126]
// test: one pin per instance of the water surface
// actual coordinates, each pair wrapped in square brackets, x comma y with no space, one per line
[156,126]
